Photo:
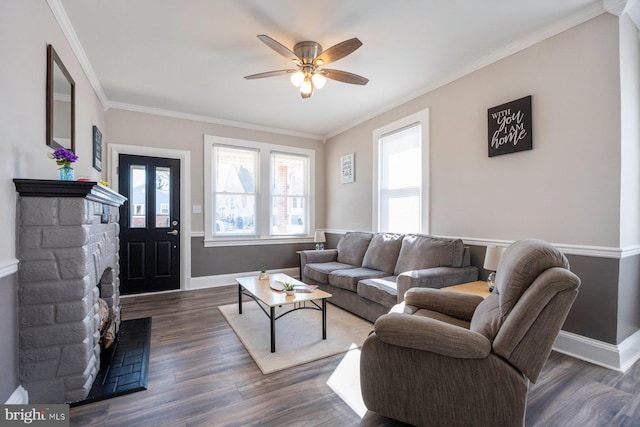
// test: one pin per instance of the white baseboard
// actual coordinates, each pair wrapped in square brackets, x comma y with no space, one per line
[618,357]
[20,396]
[629,351]
[229,279]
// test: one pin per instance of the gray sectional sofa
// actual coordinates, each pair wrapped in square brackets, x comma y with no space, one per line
[368,273]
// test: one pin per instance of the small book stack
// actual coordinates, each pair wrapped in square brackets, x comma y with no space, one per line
[302,288]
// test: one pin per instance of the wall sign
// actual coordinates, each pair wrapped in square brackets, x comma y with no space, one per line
[97,149]
[510,127]
[348,168]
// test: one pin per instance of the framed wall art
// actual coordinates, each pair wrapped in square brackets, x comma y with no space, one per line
[348,169]
[510,127]
[97,149]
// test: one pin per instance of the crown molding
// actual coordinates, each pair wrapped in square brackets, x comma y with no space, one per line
[549,31]
[65,24]
[207,119]
[618,7]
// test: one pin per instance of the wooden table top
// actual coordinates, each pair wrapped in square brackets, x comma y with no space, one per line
[477,288]
[261,289]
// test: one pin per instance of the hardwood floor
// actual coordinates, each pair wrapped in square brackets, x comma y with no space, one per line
[201,375]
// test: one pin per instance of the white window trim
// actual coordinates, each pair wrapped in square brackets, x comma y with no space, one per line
[421,117]
[263,210]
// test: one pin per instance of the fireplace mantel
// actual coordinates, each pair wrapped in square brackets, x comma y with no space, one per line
[54,188]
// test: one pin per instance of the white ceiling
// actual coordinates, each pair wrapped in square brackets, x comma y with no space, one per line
[190,56]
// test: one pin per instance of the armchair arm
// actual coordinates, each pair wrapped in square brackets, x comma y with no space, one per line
[423,333]
[437,277]
[454,304]
[311,256]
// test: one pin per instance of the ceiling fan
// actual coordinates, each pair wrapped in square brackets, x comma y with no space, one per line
[310,59]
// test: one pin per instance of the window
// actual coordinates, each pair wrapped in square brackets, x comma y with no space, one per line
[288,184]
[235,184]
[256,192]
[399,152]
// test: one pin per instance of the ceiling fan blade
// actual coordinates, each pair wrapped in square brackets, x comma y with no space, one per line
[338,51]
[278,47]
[269,74]
[344,76]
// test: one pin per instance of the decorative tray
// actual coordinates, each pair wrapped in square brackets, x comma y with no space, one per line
[276,286]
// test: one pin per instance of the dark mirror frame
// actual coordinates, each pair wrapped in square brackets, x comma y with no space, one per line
[54,60]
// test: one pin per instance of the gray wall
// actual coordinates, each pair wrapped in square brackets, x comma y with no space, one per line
[8,336]
[239,259]
[628,297]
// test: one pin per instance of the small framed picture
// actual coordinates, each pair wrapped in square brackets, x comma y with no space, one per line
[348,168]
[97,149]
[510,128]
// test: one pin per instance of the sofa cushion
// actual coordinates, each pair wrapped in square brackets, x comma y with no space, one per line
[381,290]
[382,253]
[352,247]
[419,252]
[319,272]
[348,279]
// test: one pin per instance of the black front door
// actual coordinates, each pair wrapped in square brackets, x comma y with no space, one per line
[149,224]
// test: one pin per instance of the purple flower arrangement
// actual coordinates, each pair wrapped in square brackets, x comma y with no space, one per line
[63,157]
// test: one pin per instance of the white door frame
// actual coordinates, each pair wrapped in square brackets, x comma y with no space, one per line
[115,150]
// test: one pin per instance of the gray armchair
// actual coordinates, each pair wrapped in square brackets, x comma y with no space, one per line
[447,358]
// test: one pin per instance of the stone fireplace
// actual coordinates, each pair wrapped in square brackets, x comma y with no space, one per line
[68,250]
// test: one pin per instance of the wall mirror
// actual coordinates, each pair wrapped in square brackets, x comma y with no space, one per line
[60,103]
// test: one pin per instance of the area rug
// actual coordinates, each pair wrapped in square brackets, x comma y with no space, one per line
[298,334]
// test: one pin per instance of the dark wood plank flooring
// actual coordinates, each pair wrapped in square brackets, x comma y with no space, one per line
[201,375]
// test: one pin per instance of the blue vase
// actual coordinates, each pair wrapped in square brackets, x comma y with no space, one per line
[66,173]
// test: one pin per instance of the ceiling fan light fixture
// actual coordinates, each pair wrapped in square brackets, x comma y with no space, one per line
[318,80]
[297,78]
[309,56]
[306,87]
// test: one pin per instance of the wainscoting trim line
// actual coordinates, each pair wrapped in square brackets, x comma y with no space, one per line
[229,279]
[585,250]
[8,267]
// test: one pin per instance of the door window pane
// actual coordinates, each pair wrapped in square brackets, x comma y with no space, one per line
[163,196]
[137,196]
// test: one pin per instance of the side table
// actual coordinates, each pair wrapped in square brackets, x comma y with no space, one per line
[477,288]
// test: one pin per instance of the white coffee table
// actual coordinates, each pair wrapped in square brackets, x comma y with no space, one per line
[262,293]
